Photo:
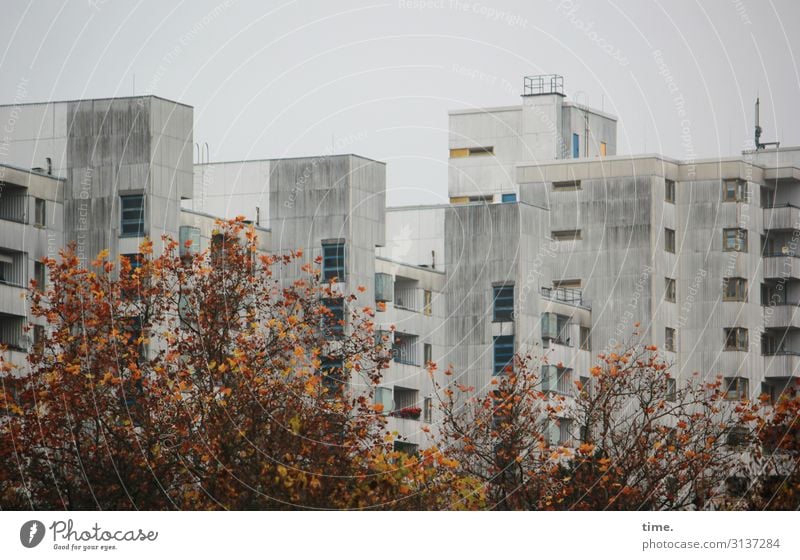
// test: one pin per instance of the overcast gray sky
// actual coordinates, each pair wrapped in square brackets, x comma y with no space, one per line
[373,77]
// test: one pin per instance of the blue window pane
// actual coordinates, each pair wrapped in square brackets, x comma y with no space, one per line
[503,353]
[510,197]
[333,321]
[333,261]
[503,303]
[132,213]
[576,145]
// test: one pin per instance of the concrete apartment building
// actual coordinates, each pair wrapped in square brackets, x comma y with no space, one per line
[552,245]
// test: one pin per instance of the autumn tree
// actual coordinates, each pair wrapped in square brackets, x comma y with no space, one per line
[204,380]
[627,435]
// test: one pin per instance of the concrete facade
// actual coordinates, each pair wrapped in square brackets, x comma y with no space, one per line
[552,246]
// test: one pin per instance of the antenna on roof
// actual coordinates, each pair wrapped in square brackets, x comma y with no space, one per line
[759,144]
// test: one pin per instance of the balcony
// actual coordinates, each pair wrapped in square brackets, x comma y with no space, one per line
[781,217]
[12,333]
[782,315]
[570,296]
[780,265]
[14,205]
[784,363]
[405,349]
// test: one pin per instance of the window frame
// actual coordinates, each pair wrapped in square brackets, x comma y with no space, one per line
[39,207]
[740,337]
[138,222]
[670,290]
[669,191]
[740,289]
[334,262]
[739,192]
[670,335]
[503,303]
[670,240]
[500,350]
[739,384]
[740,240]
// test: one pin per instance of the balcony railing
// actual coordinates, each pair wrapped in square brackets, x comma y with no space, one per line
[408,298]
[13,207]
[571,296]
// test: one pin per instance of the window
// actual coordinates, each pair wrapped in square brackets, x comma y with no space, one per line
[576,145]
[405,349]
[736,436]
[769,344]
[332,375]
[566,185]
[556,328]
[132,215]
[467,152]
[734,190]
[38,339]
[189,240]
[586,338]
[333,319]
[503,354]
[669,190]
[503,298]
[669,289]
[39,274]
[427,302]
[603,149]
[556,379]
[669,339]
[672,389]
[566,235]
[734,289]
[384,398]
[564,431]
[736,339]
[333,261]
[586,386]
[427,351]
[736,388]
[508,197]
[669,240]
[39,216]
[427,410]
[734,239]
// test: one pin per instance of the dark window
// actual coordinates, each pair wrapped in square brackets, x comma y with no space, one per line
[736,388]
[734,239]
[669,240]
[38,338]
[669,289]
[669,339]
[586,338]
[567,185]
[734,289]
[734,190]
[427,410]
[39,213]
[672,389]
[669,190]
[39,274]
[332,375]
[503,353]
[427,351]
[132,215]
[333,318]
[736,339]
[566,235]
[503,297]
[333,261]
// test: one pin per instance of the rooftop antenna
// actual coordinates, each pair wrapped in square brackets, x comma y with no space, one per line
[759,144]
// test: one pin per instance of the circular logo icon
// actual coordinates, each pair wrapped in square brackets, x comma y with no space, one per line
[31,533]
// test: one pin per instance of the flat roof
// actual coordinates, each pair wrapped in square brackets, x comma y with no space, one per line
[261,160]
[32,171]
[54,102]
